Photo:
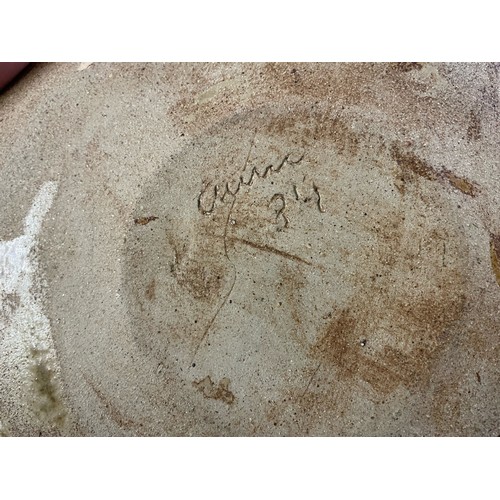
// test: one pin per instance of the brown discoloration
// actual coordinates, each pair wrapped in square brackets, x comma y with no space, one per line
[405,67]
[408,161]
[317,80]
[201,269]
[320,126]
[402,356]
[384,370]
[142,221]
[345,139]
[336,344]
[460,183]
[474,128]
[495,255]
[345,84]
[151,290]
[112,411]
[392,265]
[203,281]
[220,392]
[418,86]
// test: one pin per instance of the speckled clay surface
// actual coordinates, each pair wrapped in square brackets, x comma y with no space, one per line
[251,249]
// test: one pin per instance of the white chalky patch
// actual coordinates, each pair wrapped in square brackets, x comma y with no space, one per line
[25,336]
[84,65]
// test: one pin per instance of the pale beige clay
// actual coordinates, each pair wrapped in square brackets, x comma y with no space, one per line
[253,249]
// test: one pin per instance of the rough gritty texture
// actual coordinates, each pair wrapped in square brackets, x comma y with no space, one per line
[259,249]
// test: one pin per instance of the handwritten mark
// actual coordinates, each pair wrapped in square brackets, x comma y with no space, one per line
[298,197]
[228,221]
[219,194]
[316,190]
[296,192]
[280,211]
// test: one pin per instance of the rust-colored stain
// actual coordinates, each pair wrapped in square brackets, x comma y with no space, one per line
[463,185]
[343,345]
[202,282]
[495,255]
[200,270]
[220,392]
[410,162]
[326,300]
[333,129]
[403,272]
[142,221]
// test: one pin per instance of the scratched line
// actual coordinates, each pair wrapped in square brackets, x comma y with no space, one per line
[310,381]
[269,249]
[223,303]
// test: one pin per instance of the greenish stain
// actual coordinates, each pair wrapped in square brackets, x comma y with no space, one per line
[47,403]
